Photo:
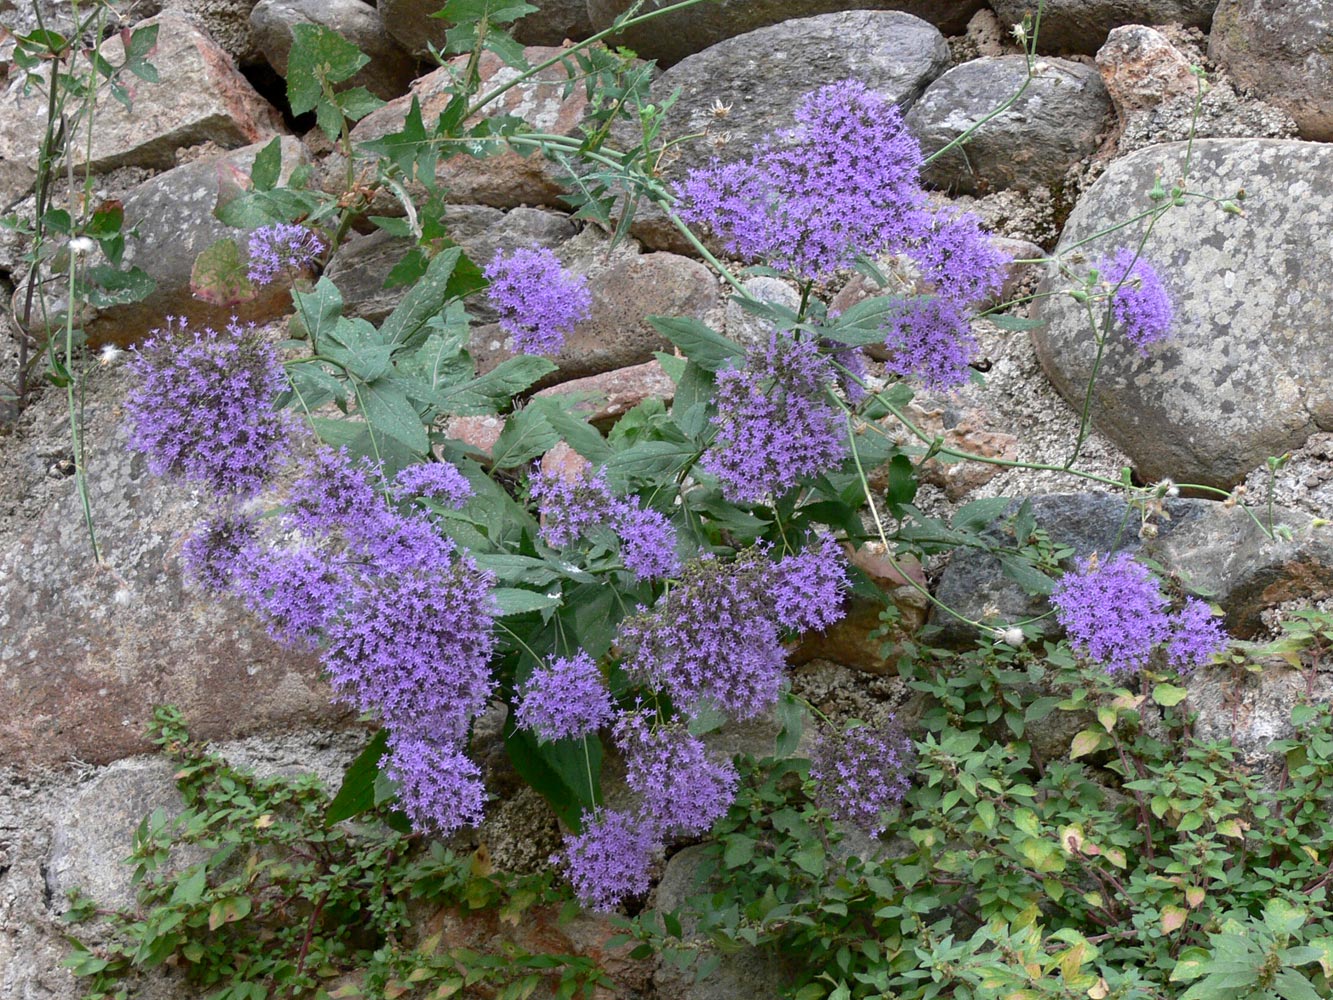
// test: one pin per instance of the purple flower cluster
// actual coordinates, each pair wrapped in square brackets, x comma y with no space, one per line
[609,860]
[282,247]
[1115,614]
[439,481]
[439,787]
[570,507]
[215,547]
[861,773]
[682,790]
[203,407]
[716,637]
[775,422]
[565,699]
[843,183]
[539,302]
[1141,307]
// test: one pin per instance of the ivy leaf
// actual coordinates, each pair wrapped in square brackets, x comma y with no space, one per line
[220,275]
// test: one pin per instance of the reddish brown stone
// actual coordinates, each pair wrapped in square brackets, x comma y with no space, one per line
[604,398]
[1142,69]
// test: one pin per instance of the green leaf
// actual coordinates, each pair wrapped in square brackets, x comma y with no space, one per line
[267,167]
[1017,324]
[1168,695]
[493,391]
[863,323]
[357,793]
[1025,574]
[190,889]
[494,11]
[810,858]
[229,910]
[516,601]
[113,287]
[701,344]
[220,275]
[978,514]
[791,722]
[357,102]
[412,150]
[902,482]
[318,55]
[651,461]
[739,851]
[388,411]
[526,435]
[574,429]
[423,302]
[252,209]
[318,312]
[559,772]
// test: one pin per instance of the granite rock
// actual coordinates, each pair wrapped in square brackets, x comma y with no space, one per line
[1082,25]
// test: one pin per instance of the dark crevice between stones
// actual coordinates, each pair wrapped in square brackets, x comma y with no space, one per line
[273,88]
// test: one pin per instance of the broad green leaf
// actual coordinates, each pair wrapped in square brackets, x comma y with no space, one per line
[413,150]
[1017,324]
[526,435]
[113,287]
[219,275]
[1168,695]
[651,461]
[267,166]
[229,910]
[252,209]
[559,771]
[357,102]
[423,302]
[318,312]
[701,344]
[574,430]
[978,514]
[1025,574]
[739,851]
[493,391]
[517,601]
[357,793]
[388,411]
[863,323]
[318,55]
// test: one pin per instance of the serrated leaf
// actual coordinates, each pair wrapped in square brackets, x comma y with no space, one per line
[1022,572]
[700,343]
[357,102]
[650,461]
[318,54]
[493,391]
[219,275]
[526,435]
[388,411]
[423,302]
[978,514]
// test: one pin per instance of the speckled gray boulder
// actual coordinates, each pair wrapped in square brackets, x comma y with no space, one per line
[1082,25]
[228,21]
[1283,51]
[1218,551]
[390,70]
[1054,124]
[762,76]
[1248,369]
[88,649]
[672,37]
[410,24]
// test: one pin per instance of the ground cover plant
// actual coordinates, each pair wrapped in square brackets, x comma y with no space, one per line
[651,596]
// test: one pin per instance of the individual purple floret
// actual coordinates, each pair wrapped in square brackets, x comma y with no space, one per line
[281,247]
[569,507]
[682,789]
[775,422]
[416,646]
[930,340]
[565,699]
[843,183]
[539,302]
[809,587]
[647,542]
[437,480]
[203,408]
[609,860]
[439,787]
[862,773]
[295,592]
[1114,612]
[1140,306]
[1196,636]
[215,547]
[712,639]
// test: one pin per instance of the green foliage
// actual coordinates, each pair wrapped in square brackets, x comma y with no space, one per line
[272,900]
[1138,860]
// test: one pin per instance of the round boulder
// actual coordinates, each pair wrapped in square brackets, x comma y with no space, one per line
[1082,25]
[672,37]
[1247,371]
[1283,51]
[1052,125]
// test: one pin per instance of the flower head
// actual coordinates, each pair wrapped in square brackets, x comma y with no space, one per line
[436,480]
[213,550]
[566,698]
[294,590]
[843,183]
[1114,612]
[861,773]
[682,789]
[280,247]
[810,587]
[647,542]
[609,860]
[439,787]
[929,339]
[1195,636]
[569,507]
[1141,307]
[539,302]
[775,422]
[203,409]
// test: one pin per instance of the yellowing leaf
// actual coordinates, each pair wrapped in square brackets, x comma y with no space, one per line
[1194,896]
[1173,918]
[1086,742]
[1099,990]
[1231,828]
[1071,839]
[1168,695]
[1106,716]
[1116,856]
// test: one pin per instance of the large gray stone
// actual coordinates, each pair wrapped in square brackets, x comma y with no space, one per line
[1051,126]
[390,70]
[1248,369]
[1223,553]
[1082,25]
[673,37]
[1283,51]
[411,25]
[200,97]
[761,77]
[89,647]
[175,210]
[227,21]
